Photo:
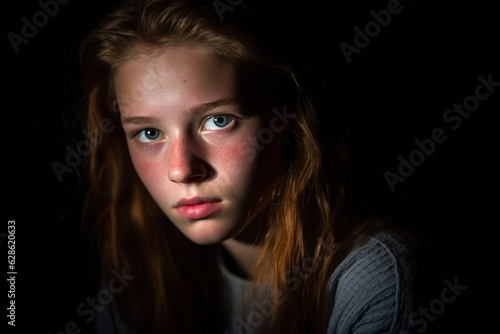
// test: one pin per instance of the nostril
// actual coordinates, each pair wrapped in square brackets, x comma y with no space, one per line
[188,168]
[186,161]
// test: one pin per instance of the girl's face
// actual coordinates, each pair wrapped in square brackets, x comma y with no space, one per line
[202,141]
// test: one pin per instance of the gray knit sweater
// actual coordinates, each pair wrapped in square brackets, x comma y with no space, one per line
[372,289]
[371,292]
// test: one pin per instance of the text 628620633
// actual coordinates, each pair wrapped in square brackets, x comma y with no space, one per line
[11,272]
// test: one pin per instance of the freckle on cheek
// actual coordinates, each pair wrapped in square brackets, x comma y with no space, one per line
[237,157]
[234,152]
[146,167]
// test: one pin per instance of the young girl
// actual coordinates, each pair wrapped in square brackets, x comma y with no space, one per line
[212,197]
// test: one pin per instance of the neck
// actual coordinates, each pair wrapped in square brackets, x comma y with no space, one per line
[245,248]
[243,256]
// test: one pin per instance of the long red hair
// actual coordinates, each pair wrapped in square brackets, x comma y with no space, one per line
[175,287]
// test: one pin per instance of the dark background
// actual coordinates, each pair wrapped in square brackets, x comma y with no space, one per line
[395,90]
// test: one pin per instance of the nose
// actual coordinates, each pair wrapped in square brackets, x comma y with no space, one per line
[185,162]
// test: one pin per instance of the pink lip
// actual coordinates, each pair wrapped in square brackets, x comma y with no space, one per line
[197,207]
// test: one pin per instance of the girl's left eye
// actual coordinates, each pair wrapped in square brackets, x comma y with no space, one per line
[217,122]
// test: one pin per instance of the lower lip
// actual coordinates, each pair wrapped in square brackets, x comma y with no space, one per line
[198,211]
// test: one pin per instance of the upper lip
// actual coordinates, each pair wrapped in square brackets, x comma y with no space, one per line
[196,200]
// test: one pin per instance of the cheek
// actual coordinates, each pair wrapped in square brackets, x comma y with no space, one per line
[247,167]
[239,159]
[148,170]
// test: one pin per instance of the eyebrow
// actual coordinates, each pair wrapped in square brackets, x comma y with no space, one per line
[198,109]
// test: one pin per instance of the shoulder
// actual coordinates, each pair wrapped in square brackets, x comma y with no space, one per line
[372,289]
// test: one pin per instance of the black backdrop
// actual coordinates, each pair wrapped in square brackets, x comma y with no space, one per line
[394,90]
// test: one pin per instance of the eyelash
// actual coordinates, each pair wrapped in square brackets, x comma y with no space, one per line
[230,120]
[230,123]
[138,133]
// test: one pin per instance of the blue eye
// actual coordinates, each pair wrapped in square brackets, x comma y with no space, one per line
[148,135]
[217,122]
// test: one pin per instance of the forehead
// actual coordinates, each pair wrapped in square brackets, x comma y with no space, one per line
[173,76]
[168,68]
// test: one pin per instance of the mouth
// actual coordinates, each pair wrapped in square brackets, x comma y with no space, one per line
[197,207]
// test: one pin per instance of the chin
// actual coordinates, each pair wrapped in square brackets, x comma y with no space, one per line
[206,233]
